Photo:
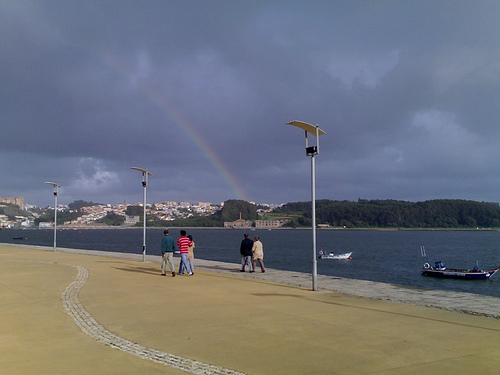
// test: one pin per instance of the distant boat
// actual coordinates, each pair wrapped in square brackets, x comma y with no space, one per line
[323,255]
[440,270]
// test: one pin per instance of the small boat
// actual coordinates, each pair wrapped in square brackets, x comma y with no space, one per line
[323,255]
[440,270]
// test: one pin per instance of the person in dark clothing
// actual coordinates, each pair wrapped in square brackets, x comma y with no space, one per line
[246,253]
[167,253]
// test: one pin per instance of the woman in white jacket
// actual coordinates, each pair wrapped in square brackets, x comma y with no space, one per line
[258,254]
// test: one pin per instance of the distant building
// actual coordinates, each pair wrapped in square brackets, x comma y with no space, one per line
[4,221]
[131,220]
[18,201]
[202,204]
[238,224]
[169,203]
[268,224]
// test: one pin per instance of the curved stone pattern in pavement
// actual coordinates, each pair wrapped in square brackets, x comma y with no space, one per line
[90,327]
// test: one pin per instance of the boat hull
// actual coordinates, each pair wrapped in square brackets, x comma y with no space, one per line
[336,256]
[459,274]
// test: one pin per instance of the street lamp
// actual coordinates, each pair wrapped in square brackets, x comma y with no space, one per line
[56,187]
[312,151]
[145,174]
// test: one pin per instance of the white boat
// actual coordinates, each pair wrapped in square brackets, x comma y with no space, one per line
[323,255]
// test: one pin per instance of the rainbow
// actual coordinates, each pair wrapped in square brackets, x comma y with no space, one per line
[210,155]
[179,120]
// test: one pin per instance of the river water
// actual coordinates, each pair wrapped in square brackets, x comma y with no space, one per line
[382,256]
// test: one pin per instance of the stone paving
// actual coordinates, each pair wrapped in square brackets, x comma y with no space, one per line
[468,303]
[93,329]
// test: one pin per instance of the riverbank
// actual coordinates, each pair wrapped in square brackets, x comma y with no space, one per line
[467,303]
[72,312]
[84,227]
[381,256]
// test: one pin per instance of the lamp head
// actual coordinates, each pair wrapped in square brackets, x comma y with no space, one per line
[142,170]
[311,129]
[312,150]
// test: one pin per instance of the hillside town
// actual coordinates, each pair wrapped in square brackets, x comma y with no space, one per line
[90,216]
[165,211]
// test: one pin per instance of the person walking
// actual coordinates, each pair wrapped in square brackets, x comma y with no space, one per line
[246,253]
[183,244]
[190,256]
[258,253]
[167,253]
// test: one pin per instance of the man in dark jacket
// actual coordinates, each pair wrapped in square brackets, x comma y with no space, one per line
[167,253]
[246,253]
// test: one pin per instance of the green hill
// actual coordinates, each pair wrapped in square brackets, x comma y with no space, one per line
[441,213]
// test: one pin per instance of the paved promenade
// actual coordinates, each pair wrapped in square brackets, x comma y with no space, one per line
[71,312]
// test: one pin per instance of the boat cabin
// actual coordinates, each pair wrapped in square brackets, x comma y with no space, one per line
[439,266]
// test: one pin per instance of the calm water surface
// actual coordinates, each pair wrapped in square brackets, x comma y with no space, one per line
[382,256]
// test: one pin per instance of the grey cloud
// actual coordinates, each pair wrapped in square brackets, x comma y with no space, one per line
[199,93]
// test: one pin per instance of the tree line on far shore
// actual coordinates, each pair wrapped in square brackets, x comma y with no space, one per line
[439,213]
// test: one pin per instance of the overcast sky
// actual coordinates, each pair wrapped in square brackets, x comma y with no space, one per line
[199,93]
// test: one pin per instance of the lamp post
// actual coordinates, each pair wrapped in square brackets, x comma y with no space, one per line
[145,174]
[56,188]
[312,151]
